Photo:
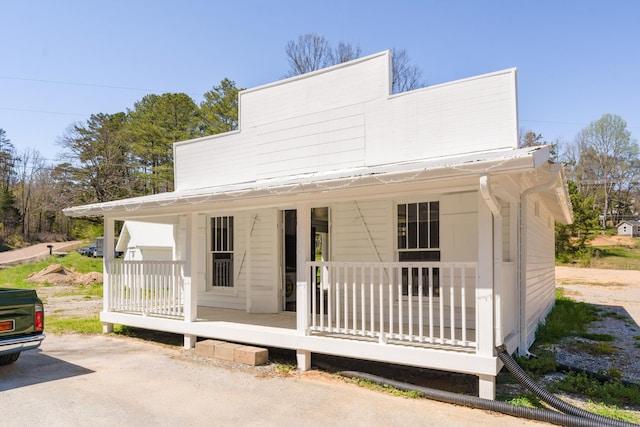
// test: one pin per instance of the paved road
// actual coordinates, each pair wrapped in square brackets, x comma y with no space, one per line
[35,252]
[76,380]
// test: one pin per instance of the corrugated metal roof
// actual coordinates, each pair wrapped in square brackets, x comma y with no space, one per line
[454,166]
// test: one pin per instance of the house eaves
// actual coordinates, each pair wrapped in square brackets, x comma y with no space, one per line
[495,162]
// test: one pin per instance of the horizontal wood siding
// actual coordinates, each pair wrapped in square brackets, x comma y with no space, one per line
[350,238]
[473,115]
[332,139]
[344,117]
[264,279]
[540,266]
[325,90]
[458,238]
[459,227]
[214,161]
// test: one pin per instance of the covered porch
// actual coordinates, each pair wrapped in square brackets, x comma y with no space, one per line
[382,311]
[364,301]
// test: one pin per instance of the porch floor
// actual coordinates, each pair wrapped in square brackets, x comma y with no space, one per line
[284,320]
[287,320]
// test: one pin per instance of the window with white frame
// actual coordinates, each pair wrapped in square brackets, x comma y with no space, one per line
[221,252]
[419,240]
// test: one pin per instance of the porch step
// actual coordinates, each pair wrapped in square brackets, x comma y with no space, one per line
[238,353]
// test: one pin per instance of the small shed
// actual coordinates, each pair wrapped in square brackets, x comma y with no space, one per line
[629,228]
[146,241]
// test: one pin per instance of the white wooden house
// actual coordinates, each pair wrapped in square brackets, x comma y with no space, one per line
[629,228]
[341,219]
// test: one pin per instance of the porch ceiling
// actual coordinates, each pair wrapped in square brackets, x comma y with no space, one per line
[502,161]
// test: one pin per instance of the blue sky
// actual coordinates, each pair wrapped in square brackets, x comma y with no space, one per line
[62,61]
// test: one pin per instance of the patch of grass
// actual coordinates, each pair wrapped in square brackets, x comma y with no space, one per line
[16,276]
[618,316]
[79,325]
[544,363]
[611,392]
[593,348]
[86,291]
[612,411]
[285,369]
[615,257]
[598,337]
[528,400]
[568,318]
[412,394]
[614,372]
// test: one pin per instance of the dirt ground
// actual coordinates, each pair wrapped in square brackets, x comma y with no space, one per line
[604,240]
[617,294]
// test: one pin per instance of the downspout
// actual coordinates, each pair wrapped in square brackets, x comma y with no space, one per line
[494,207]
[523,348]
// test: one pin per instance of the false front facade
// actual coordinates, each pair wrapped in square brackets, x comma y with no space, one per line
[340,219]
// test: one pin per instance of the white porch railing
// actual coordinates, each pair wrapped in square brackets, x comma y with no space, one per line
[146,287]
[394,302]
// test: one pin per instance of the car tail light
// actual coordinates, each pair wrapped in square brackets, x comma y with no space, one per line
[39,318]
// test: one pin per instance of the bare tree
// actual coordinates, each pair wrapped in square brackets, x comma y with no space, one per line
[405,75]
[345,52]
[309,53]
[30,163]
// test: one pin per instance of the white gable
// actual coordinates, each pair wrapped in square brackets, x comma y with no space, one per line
[136,234]
[344,117]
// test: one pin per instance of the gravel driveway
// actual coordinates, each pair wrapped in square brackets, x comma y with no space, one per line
[77,380]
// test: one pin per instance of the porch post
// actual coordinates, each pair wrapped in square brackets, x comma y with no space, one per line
[190,267]
[303,254]
[484,295]
[108,252]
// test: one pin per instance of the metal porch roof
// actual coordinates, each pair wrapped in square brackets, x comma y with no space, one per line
[454,166]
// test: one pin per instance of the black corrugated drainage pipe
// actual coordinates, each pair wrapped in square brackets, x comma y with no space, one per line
[547,397]
[490,405]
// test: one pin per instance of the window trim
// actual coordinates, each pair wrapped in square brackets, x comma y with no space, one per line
[210,288]
[436,250]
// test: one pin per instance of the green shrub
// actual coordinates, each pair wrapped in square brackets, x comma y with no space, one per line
[567,318]
[544,363]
